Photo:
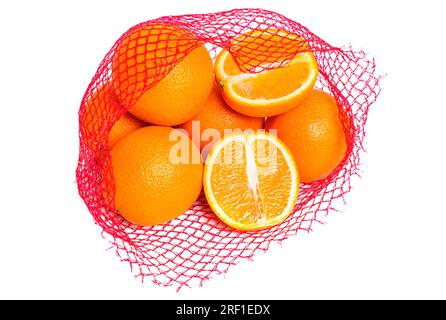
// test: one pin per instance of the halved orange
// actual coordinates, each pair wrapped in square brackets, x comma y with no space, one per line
[280,70]
[251,181]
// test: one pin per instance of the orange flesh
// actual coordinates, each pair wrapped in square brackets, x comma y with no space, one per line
[230,67]
[262,47]
[245,203]
[274,179]
[272,84]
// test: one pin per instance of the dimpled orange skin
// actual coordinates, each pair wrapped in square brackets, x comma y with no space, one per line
[182,92]
[315,135]
[216,114]
[150,189]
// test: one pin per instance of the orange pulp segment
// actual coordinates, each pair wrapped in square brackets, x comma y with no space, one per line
[285,71]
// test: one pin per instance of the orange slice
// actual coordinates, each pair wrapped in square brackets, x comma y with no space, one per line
[289,72]
[251,181]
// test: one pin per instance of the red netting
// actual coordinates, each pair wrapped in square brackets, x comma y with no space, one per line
[197,245]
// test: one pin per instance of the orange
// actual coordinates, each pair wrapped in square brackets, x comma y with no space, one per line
[99,112]
[314,133]
[286,71]
[163,73]
[216,115]
[251,181]
[151,186]
[124,126]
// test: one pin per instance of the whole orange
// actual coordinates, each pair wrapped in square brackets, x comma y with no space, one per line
[98,114]
[314,133]
[217,115]
[151,186]
[163,72]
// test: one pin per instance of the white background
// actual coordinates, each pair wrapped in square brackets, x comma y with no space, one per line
[389,242]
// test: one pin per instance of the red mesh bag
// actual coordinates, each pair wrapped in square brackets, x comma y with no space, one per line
[197,245]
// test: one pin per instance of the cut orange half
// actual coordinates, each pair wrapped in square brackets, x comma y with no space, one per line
[289,72]
[251,181]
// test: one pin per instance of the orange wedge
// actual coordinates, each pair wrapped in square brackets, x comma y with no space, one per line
[251,181]
[283,70]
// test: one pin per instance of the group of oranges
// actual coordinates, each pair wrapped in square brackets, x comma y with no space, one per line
[250,176]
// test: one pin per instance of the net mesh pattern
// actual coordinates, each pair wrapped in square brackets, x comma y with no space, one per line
[196,245]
